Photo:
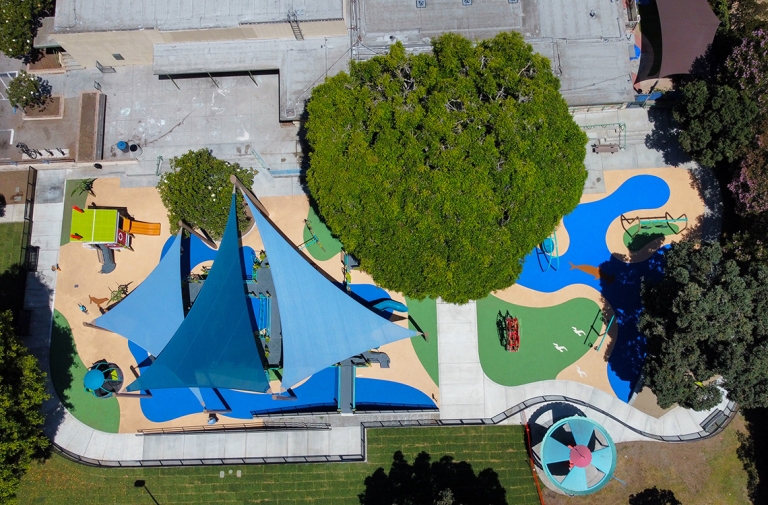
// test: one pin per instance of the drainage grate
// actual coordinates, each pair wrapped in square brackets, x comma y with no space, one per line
[421,4]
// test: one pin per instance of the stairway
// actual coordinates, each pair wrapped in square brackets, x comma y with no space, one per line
[69,63]
[294,22]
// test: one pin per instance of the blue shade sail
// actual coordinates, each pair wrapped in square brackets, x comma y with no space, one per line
[215,346]
[321,324]
[151,313]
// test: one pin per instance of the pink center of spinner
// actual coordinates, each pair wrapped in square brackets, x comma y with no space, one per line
[581,456]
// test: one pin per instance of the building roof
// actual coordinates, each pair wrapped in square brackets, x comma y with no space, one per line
[321,324]
[687,29]
[107,15]
[153,311]
[215,346]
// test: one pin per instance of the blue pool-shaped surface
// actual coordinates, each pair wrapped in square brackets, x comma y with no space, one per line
[619,282]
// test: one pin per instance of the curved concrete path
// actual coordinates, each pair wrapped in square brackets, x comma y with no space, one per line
[467,395]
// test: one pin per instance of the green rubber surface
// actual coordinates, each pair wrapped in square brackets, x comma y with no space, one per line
[330,246]
[540,329]
[636,241]
[69,201]
[67,373]
[424,314]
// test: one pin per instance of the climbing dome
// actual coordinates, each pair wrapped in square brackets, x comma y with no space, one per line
[578,456]
[103,379]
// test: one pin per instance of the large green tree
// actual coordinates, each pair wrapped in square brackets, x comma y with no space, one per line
[716,122]
[708,317]
[18,25]
[198,192]
[441,171]
[22,393]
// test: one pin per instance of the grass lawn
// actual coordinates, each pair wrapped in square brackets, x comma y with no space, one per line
[10,244]
[501,448]
[67,374]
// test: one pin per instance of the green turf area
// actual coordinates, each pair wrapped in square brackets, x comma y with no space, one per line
[70,200]
[328,246]
[424,314]
[94,225]
[540,329]
[635,238]
[10,244]
[67,373]
[12,277]
[501,448]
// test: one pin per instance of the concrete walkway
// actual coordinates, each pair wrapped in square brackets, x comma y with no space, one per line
[466,393]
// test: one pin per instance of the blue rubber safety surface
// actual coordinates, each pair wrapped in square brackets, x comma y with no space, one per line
[618,282]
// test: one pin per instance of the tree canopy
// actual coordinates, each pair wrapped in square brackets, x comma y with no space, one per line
[27,90]
[441,171]
[198,192]
[716,122]
[443,482]
[22,393]
[18,25]
[708,317]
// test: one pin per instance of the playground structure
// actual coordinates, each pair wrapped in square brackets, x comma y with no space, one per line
[103,380]
[637,224]
[139,227]
[349,263]
[551,253]
[509,331]
[578,456]
[312,240]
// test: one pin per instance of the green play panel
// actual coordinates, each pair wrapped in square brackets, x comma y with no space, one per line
[78,199]
[67,373]
[635,238]
[327,247]
[94,225]
[424,314]
[540,329]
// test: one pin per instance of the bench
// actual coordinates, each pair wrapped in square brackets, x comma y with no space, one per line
[605,148]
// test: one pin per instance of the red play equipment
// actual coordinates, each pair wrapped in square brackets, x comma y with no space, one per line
[512,333]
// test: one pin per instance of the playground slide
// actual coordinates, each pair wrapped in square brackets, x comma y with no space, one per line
[141,228]
[390,305]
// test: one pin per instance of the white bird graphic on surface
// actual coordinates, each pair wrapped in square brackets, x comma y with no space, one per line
[581,372]
[560,348]
[578,332]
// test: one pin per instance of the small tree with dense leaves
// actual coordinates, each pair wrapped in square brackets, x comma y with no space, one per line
[22,393]
[28,91]
[18,25]
[708,317]
[199,191]
[441,171]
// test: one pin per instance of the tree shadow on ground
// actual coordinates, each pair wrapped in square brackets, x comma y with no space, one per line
[65,352]
[664,136]
[654,496]
[753,453]
[427,482]
[12,290]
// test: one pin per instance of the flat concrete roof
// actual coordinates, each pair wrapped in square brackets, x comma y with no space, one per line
[584,39]
[301,63]
[564,19]
[108,15]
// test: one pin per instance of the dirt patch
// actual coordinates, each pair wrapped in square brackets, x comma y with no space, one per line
[53,109]
[47,62]
[706,472]
[86,142]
